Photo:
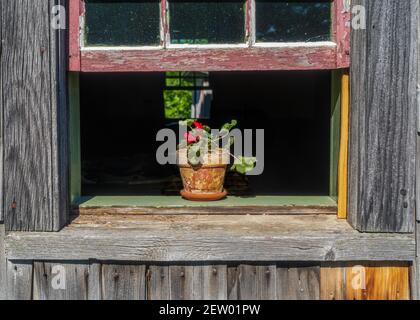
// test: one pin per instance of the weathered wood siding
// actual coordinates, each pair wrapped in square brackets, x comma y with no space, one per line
[1,117]
[95,280]
[34,106]
[3,279]
[416,277]
[383,118]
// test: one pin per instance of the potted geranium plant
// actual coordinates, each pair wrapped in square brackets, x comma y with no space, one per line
[203,161]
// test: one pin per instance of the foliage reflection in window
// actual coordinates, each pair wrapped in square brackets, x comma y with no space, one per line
[187,95]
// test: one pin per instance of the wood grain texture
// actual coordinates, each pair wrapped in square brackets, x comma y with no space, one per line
[158,283]
[59,124]
[210,282]
[344,145]
[3,265]
[238,59]
[95,280]
[181,282]
[33,95]
[382,118]
[1,117]
[386,282]
[206,210]
[343,29]
[74,38]
[200,282]
[232,283]
[332,283]
[298,283]
[210,238]
[60,281]
[256,282]
[19,280]
[416,267]
[123,282]
[126,281]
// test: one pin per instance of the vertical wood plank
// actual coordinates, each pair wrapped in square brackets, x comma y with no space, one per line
[210,282]
[158,285]
[416,266]
[60,281]
[3,265]
[59,123]
[123,282]
[298,283]
[382,118]
[34,173]
[181,282]
[232,283]
[74,32]
[389,282]
[343,29]
[95,281]
[164,27]
[1,117]
[250,22]
[344,144]
[257,282]
[19,280]
[332,279]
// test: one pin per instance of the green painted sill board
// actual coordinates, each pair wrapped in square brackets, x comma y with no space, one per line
[176,201]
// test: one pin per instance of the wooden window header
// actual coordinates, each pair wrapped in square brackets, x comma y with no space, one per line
[247,56]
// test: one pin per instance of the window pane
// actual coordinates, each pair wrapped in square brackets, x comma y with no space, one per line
[187,95]
[122,22]
[203,22]
[291,21]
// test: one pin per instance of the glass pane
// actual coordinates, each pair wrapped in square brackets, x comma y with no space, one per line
[292,21]
[203,22]
[187,95]
[122,23]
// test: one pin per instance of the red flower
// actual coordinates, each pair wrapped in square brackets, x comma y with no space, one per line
[190,138]
[198,125]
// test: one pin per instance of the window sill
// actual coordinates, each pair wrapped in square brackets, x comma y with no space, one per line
[178,238]
[174,205]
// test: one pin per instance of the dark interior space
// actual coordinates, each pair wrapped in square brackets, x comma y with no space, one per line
[121,114]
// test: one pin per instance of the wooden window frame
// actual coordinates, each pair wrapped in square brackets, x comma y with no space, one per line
[249,56]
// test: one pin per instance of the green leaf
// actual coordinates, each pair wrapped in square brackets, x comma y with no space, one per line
[194,156]
[187,122]
[244,164]
[229,126]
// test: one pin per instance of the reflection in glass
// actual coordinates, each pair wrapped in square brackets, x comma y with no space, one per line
[187,95]
[122,22]
[207,22]
[293,21]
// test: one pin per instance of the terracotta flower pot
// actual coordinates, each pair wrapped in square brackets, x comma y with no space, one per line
[204,182]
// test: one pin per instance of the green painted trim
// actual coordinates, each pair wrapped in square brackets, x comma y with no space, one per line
[335,131]
[177,201]
[75,158]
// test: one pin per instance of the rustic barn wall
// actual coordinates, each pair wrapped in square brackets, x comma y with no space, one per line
[1,118]
[34,107]
[416,278]
[382,118]
[95,280]
[3,279]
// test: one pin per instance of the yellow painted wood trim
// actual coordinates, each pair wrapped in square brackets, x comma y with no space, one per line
[344,141]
